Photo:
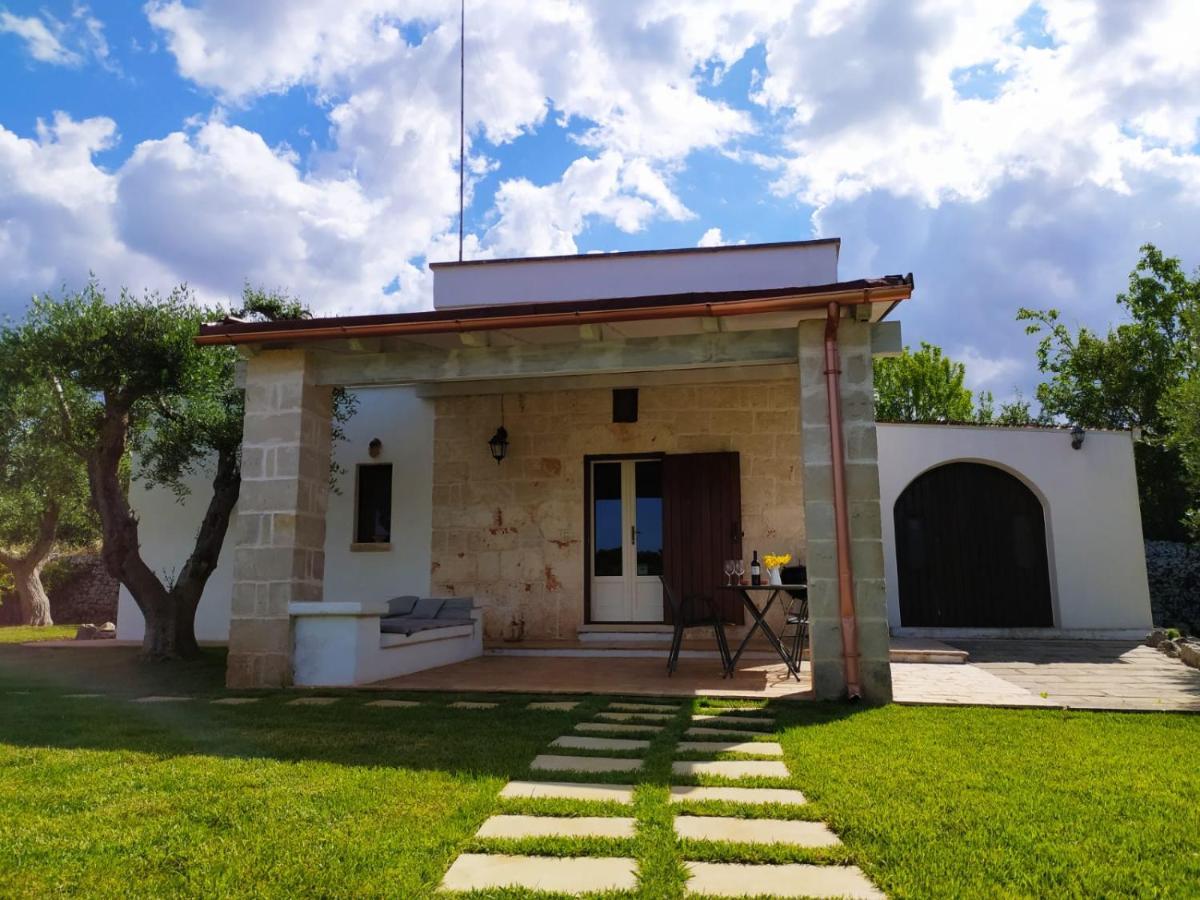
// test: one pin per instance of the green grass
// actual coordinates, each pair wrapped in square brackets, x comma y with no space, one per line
[20,634]
[101,797]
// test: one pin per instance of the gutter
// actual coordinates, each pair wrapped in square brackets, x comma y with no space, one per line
[707,309]
[841,510]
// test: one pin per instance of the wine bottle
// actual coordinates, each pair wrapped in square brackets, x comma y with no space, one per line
[755,570]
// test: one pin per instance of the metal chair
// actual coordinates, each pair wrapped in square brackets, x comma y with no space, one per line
[706,616]
[795,621]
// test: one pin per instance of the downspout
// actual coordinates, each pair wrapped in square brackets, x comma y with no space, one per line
[841,512]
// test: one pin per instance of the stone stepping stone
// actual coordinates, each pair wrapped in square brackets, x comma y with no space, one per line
[758,748]
[566,790]
[82,696]
[576,742]
[312,701]
[471,704]
[734,721]
[616,727]
[788,880]
[161,699]
[556,826]
[720,732]
[555,705]
[735,709]
[685,793]
[548,762]
[633,717]
[234,701]
[568,875]
[644,707]
[758,768]
[755,831]
[395,704]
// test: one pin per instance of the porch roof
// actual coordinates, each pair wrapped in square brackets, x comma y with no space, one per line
[767,305]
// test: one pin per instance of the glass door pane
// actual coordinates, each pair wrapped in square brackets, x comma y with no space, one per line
[648,493]
[607,537]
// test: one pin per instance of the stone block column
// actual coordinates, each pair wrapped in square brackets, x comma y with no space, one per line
[280,555]
[862,490]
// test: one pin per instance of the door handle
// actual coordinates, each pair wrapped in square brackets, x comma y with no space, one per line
[633,535]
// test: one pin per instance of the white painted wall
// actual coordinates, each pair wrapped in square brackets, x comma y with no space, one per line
[589,277]
[404,423]
[1093,524]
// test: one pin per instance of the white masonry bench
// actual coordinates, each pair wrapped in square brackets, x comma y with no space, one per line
[340,644]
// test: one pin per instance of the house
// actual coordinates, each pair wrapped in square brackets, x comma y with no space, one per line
[558,432]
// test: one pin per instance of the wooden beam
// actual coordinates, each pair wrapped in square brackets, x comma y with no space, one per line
[418,364]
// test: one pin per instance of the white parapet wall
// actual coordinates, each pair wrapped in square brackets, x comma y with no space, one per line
[1090,499]
[403,422]
[637,274]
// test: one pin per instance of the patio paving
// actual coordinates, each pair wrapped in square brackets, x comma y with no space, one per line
[686,793]
[550,762]
[618,727]
[748,768]
[556,826]
[567,790]
[753,748]
[576,742]
[572,875]
[755,831]
[788,880]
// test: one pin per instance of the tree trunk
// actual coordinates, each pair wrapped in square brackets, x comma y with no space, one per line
[35,605]
[170,614]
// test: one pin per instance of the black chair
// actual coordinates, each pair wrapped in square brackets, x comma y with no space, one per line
[795,621]
[696,613]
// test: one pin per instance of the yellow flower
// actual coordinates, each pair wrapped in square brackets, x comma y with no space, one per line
[774,561]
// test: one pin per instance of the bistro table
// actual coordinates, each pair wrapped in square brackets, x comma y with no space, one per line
[759,613]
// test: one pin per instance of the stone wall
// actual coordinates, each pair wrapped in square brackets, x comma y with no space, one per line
[79,588]
[512,534]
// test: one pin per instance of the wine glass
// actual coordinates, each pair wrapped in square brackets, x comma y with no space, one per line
[739,569]
[728,568]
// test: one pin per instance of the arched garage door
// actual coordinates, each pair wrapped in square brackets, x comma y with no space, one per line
[971,551]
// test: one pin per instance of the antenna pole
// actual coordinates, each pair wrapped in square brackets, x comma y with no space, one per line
[462,116]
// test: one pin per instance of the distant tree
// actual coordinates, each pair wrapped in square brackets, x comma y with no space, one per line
[924,386]
[1131,377]
[128,374]
[1183,406]
[43,495]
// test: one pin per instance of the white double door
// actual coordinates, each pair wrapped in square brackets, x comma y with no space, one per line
[626,540]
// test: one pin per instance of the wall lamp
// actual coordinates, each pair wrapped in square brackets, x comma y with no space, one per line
[499,442]
[1077,436]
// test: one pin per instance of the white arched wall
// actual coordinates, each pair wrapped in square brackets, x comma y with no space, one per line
[1093,525]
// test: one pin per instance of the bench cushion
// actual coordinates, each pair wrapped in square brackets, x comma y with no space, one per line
[402,606]
[427,608]
[456,608]
[411,625]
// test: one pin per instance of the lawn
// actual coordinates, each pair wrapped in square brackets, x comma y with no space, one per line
[20,634]
[100,796]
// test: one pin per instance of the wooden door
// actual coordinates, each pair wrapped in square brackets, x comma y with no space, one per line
[702,525]
[971,551]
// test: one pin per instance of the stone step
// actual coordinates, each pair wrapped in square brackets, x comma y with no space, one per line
[721,732]
[234,701]
[155,698]
[755,831]
[684,793]
[554,705]
[787,880]
[736,721]
[473,704]
[313,701]
[633,717]
[577,742]
[645,707]
[556,826]
[566,790]
[569,875]
[617,727]
[757,768]
[395,704]
[548,762]
[758,748]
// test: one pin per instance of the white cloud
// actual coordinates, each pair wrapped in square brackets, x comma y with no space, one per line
[711,238]
[41,42]
[62,43]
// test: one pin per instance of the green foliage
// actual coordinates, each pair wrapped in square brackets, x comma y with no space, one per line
[1183,408]
[927,386]
[1130,378]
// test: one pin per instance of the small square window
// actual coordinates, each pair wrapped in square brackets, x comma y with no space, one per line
[373,519]
[625,405]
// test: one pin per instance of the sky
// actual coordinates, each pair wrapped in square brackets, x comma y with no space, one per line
[1007,153]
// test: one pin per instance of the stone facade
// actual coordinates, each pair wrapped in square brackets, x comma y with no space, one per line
[280,527]
[862,489]
[512,535]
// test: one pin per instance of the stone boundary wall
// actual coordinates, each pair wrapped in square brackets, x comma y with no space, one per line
[511,534]
[80,591]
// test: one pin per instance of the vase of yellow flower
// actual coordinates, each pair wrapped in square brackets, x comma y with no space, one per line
[775,563]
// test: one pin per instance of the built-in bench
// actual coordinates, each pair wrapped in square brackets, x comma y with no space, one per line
[347,644]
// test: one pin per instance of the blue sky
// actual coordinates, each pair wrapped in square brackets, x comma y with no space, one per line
[1007,152]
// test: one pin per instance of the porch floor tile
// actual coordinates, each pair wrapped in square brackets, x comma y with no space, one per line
[566,790]
[758,748]
[556,826]
[571,875]
[617,727]
[788,880]
[758,768]
[685,793]
[548,762]
[755,831]
[578,742]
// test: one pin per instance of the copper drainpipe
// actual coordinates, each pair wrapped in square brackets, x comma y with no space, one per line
[841,513]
